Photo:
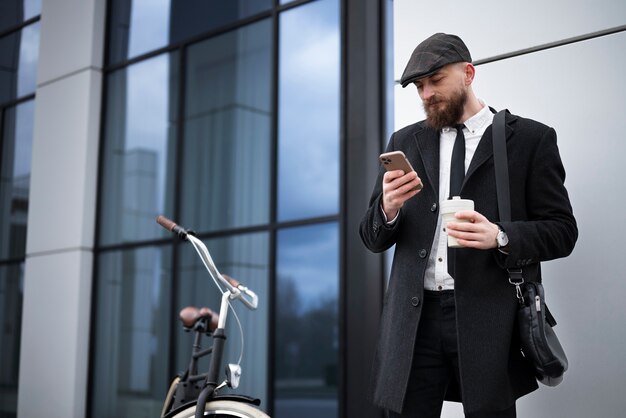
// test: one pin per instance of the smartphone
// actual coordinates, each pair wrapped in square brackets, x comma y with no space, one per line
[396,160]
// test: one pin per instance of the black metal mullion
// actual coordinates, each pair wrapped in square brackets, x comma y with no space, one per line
[362,270]
[91,377]
[178,197]
[20,26]
[273,241]
[18,101]
[343,186]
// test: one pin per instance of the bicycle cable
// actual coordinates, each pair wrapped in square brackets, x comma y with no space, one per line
[212,269]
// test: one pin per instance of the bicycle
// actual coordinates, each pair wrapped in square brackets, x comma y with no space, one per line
[190,389]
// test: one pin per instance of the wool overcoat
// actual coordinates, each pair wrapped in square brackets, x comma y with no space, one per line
[493,373]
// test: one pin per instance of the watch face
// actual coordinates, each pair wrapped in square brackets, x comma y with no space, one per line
[502,239]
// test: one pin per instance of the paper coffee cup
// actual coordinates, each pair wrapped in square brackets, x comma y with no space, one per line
[448,208]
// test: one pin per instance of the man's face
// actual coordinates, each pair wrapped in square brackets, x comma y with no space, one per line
[443,95]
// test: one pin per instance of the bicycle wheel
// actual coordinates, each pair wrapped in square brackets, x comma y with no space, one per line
[170,396]
[224,409]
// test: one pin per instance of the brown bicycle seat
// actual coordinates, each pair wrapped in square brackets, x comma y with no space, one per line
[190,315]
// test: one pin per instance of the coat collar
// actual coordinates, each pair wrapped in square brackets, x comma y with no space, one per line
[427,141]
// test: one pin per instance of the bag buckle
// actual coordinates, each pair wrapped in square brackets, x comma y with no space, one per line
[517,279]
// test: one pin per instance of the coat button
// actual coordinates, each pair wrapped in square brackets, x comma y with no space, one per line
[423,253]
[433,208]
[415,301]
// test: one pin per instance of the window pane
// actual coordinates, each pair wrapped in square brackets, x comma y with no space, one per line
[132,333]
[14,12]
[19,54]
[17,141]
[11,297]
[139,150]
[307,340]
[227,130]
[308,136]
[140,26]
[245,258]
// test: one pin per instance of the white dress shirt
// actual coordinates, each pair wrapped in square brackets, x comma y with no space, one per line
[437,277]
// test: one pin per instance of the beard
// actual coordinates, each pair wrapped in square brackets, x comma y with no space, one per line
[441,111]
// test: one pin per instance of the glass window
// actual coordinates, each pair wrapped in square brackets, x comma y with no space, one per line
[16,151]
[14,12]
[11,297]
[139,150]
[244,257]
[19,54]
[227,159]
[308,119]
[132,334]
[306,356]
[140,26]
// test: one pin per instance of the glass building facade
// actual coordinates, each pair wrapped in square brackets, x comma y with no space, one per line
[242,120]
[225,116]
[19,48]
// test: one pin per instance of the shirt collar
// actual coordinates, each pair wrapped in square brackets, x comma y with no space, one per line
[480,119]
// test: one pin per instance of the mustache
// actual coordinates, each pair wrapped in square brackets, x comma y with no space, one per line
[433,101]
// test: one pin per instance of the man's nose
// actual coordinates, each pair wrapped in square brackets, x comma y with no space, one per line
[427,92]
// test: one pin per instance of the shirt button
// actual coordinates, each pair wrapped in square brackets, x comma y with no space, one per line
[440,259]
[440,287]
[433,208]
[415,301]
[423,253]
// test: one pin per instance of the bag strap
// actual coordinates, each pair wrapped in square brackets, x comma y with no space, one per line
[501,168]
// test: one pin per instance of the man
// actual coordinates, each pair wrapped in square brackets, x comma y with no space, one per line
[447,332]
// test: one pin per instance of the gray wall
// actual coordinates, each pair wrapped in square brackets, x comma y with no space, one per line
[578,89]
[59,256]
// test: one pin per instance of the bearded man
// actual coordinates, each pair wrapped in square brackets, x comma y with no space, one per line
[447,329]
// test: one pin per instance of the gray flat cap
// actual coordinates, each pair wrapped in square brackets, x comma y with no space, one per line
[432,54]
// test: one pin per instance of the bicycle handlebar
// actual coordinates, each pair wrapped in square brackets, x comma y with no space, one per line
[236,289]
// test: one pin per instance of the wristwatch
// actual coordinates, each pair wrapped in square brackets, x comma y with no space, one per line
[502,238]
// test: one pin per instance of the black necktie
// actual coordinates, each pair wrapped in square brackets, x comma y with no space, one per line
[457,164]
[457,174]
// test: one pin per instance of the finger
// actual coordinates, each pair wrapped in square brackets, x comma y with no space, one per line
[464,227]
[397,183]
[390,176]
[410,187]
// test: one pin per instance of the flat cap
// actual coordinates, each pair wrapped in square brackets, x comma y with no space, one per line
[432,54]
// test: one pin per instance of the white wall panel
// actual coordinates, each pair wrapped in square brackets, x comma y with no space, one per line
[493,27]
[579,89]
[65,157]
[55,335]
[72,37]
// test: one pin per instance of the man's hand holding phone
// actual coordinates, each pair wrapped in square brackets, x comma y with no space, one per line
[400,182]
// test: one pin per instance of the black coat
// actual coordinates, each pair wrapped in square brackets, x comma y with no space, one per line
[493,372]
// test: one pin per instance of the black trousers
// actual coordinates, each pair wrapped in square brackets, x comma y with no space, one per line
[436,361]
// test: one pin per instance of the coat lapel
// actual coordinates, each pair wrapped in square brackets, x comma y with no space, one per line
[484,151]
[427,141]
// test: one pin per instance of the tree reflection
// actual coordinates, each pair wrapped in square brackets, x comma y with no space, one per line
[307,342]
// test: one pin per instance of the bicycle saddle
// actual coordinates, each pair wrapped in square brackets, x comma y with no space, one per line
[190,315]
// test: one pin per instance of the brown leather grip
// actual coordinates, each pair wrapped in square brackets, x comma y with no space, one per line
[165,222]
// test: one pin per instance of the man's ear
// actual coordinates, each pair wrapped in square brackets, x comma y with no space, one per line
[470,72]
